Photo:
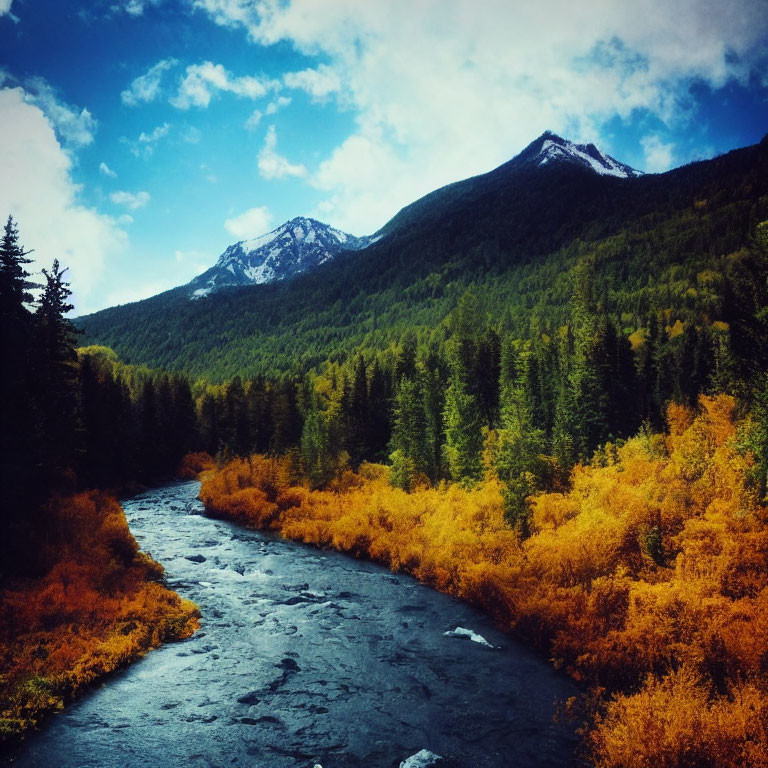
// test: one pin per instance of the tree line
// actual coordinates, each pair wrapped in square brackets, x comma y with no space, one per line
[438,404]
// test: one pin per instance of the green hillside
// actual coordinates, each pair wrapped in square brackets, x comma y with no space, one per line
[658,243]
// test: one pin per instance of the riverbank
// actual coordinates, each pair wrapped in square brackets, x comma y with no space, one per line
[99,606]
[646,581]
[307,657]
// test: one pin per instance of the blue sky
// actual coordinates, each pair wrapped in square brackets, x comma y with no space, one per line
[141,137]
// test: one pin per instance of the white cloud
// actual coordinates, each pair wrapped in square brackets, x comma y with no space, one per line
[75,126]
[5,6]
[229,13]
[274,166]
[456,89]
[107,171]
[254,119]
[278,103]
[147,87]
[134,7]
[659,156]
[131,200]
[318,83]
[154,136]
[39,192]
[145,144]
[253,222]
[204,80]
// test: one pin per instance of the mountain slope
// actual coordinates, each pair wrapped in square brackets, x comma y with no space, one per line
[297,246]
[513,234]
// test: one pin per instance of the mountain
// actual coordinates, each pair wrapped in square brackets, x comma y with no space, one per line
[550,148]
[657,243]
[297,246]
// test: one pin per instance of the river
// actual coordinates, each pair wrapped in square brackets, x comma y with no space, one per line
[306,657]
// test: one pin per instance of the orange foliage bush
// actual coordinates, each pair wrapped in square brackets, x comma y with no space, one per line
[193,464]
[649,578]
[98,608]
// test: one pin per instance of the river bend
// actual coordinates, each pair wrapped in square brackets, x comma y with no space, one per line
[306,657]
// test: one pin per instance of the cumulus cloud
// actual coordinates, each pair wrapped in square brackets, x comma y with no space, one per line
[275,166]
[5,6]
[658,155]
[107,171]
[131,200]
[455,91]
[39,192]
[147,87]
[318,83]
[251,223]
[202,81]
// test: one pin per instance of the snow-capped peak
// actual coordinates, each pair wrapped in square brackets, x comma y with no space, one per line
[296,246]
[550,148]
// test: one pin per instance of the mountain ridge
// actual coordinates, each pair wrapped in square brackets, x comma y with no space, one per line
[513,233]
[296,246]
[302,244]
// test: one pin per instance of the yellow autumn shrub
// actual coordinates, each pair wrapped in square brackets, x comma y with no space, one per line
[647,579]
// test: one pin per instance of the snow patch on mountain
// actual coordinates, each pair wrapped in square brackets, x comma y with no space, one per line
[297,246]
[550,148]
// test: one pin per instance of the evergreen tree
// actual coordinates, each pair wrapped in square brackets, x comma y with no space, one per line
[357,415]
[379,404]
[409,451]
[149,451]
[209,421]
[519,458]
[405,365]
[56,370]
[587,375]
[236,419]
[21,439]
[320,457]
[485,376]
[463,434]
[434,405]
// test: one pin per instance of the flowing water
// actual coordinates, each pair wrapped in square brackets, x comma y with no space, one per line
[306,657]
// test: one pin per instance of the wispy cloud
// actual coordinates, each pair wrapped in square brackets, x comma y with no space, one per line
[203,81]
[75,126]
[275,166]
[147,87]
[155,135]
[253,120]
[277,104]
[131,200]
[144,146]
[105,170]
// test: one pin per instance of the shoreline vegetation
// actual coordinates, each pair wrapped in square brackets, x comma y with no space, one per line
[645,581]
[99,606]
